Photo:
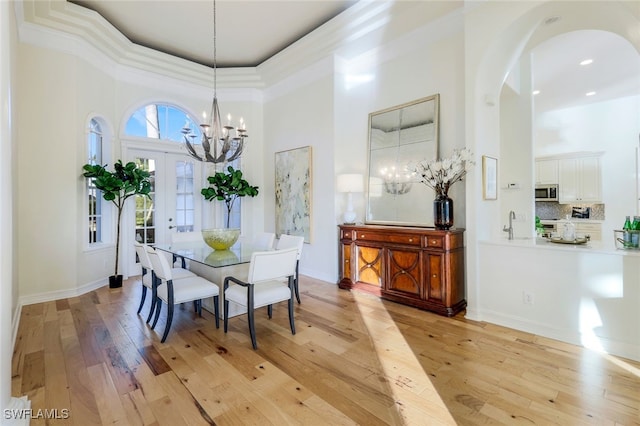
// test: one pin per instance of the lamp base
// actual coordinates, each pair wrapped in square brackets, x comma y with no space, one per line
[349,217]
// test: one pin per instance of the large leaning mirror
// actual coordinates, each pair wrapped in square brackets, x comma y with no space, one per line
[398,137]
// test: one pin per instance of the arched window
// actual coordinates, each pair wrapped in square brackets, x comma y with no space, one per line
[95,201]
[161,121]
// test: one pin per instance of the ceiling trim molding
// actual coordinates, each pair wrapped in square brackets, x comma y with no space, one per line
[67,27]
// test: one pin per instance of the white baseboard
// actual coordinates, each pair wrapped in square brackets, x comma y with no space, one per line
[574,337]
[61,294]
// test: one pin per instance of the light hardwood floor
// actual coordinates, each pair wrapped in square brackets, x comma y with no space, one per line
[354,360]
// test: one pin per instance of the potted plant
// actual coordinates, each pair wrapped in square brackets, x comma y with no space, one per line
[117,186]
[228,187]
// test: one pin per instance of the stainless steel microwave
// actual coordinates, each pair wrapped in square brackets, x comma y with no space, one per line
[546,192]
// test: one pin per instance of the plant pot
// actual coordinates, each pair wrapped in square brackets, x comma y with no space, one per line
[115,281]
[220,238]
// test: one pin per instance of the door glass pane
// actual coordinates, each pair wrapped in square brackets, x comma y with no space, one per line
[145,207]
[184,196]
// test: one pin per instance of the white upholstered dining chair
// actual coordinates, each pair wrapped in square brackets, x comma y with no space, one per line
[264,286]
[148,277]
[263,241]
[288,241]
[188,289]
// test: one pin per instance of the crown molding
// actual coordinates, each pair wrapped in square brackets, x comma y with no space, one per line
[368,33]
[69,28]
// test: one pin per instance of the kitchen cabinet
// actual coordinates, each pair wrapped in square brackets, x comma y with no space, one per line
[547,172]
[579,180]
[593,230]
[420,267]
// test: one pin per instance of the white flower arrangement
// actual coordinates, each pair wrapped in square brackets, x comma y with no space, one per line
[441,174]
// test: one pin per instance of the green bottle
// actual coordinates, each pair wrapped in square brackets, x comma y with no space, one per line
[626,235]
[635,232]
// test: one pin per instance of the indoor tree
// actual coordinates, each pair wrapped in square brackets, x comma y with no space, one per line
[228,187]
[125,181]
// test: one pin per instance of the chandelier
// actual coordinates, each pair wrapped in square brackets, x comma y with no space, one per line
[220,144]
[395,182]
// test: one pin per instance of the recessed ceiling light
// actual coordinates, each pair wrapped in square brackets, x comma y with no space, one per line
[586,62]
[535,92]
[590,93]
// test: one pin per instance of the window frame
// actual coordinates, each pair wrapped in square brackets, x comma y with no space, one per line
[107,211]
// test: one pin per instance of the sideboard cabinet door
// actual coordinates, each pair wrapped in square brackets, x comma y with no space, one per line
[404,276]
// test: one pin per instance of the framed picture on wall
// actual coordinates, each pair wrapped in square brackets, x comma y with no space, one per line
[293,192]
[489,178]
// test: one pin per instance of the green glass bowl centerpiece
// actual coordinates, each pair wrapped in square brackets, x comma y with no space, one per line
[220,238]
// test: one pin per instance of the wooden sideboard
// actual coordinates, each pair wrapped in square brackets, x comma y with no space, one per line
[421,267]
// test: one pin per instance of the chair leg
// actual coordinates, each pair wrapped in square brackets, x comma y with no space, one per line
[252,327]
[154,295]
[295,284]
[144,296]
[226,314]
[169,320]
[216,310]
[293,327]
[270,311]
[251,316]
[157,310]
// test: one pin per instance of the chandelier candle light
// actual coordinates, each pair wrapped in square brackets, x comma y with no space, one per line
[439,175]
[225,145]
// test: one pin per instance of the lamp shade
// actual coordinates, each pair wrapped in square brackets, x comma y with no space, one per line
[350,182]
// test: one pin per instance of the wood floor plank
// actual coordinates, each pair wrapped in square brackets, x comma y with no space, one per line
[55,374]
[355,359]
[137,409]
[108,400]
[82,401]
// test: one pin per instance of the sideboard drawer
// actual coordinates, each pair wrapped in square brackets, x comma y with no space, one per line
[408,239]
[434,241]
[347,234]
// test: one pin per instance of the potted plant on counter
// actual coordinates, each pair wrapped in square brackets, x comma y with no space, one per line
[117,187]
[228,187]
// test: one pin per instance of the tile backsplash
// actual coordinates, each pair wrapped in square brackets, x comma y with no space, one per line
[546,210]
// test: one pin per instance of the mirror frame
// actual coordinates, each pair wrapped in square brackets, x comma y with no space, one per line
[416,208]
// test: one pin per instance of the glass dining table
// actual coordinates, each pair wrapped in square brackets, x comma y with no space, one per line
[214,265]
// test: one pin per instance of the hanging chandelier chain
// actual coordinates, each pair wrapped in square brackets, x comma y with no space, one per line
[219,144]
[215,52]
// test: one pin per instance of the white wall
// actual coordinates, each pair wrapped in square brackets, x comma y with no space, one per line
[294,119]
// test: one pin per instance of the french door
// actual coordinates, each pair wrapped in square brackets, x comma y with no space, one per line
[175,204]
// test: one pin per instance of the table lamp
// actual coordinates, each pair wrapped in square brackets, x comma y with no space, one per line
[350,183]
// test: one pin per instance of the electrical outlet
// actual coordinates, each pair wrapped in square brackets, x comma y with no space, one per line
[527,298]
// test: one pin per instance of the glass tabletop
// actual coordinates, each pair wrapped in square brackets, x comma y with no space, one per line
[198,251]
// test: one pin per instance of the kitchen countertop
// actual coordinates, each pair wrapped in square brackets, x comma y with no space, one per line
[607,247]
[573,219]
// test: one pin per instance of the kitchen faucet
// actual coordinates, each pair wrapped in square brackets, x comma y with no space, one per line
[512,215]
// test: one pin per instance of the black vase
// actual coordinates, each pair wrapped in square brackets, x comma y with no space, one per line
[443,212]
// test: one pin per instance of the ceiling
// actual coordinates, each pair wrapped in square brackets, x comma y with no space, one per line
[563,82]
[249,31]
